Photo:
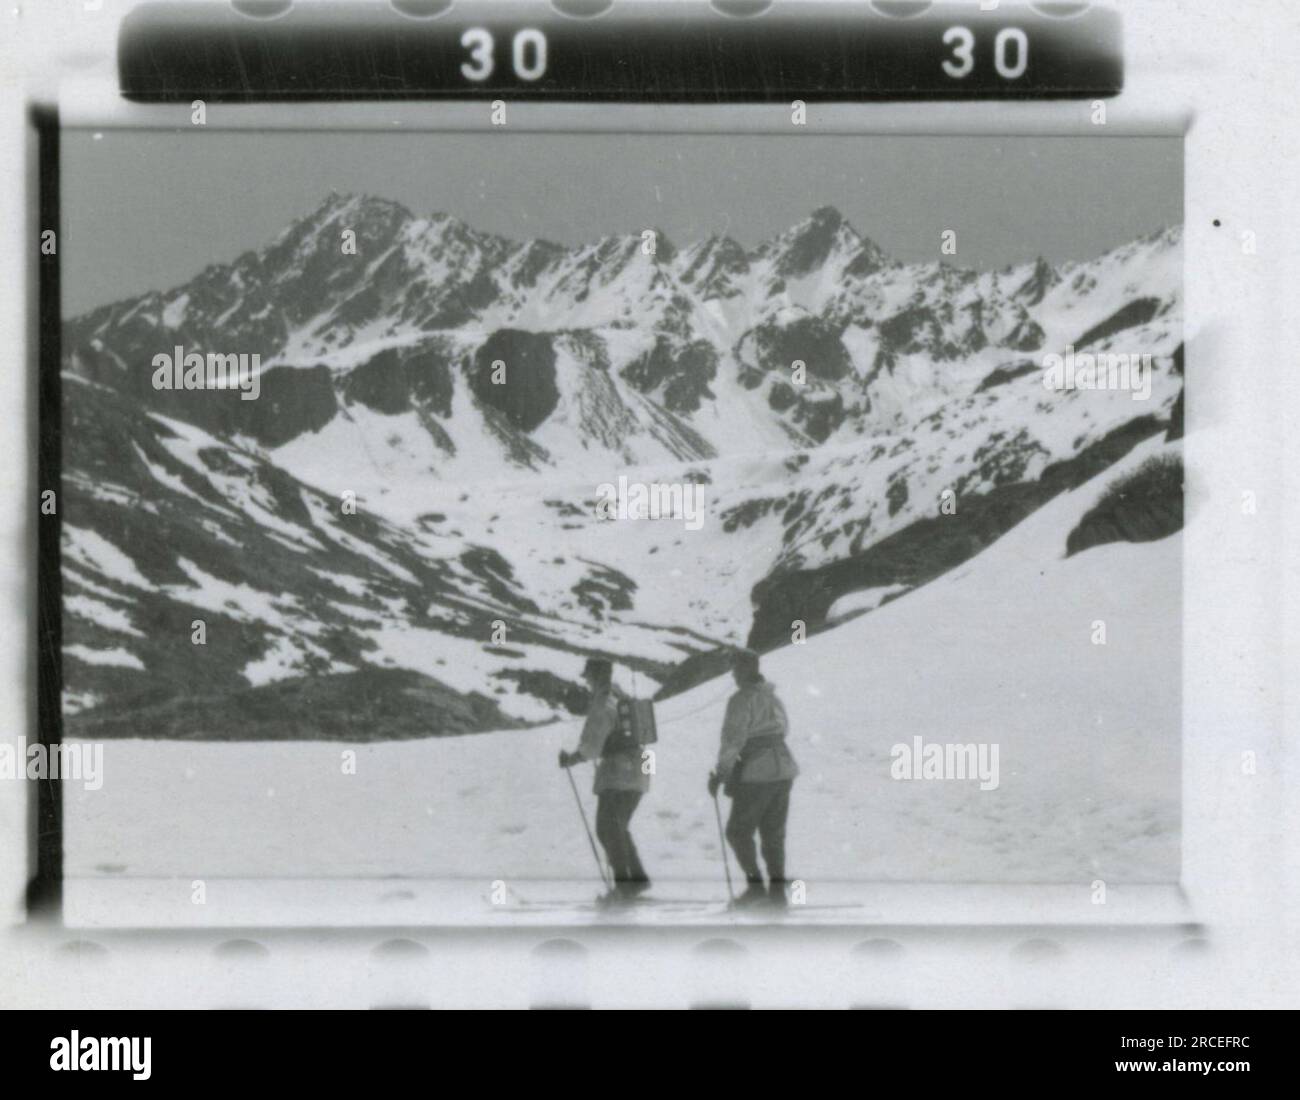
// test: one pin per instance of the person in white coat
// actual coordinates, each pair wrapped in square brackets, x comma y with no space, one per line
[757,770]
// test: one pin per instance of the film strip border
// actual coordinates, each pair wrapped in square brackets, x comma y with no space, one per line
[684,51]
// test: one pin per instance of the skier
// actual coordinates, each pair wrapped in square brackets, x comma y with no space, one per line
[757,771]
[619,784]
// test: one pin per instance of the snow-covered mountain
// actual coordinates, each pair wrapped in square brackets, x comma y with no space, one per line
[999,650]
[627,351]
[471,393]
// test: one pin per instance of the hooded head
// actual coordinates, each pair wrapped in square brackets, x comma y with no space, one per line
[744,668]
[598,673]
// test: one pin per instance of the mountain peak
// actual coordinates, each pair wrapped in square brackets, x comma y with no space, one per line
[809,244]
[828,216]
[824,223]
[363,213]
[664,249]
[337,201]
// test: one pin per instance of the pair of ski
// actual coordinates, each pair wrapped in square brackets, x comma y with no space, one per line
[683,906]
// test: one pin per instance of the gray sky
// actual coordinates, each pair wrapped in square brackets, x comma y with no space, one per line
[148,210]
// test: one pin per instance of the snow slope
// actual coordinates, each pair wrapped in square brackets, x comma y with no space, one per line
[999,650]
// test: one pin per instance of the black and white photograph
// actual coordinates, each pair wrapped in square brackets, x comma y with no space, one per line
[845,471]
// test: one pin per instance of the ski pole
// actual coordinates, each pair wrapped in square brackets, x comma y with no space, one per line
[722,839]
[590,839]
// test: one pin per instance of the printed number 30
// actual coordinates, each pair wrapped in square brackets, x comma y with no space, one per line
[962,62]
[527,54]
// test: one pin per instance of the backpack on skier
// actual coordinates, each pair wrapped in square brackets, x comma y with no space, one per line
[636,726]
